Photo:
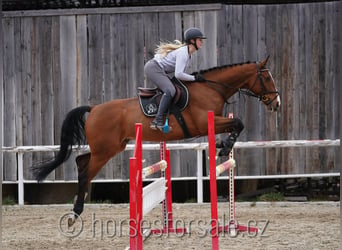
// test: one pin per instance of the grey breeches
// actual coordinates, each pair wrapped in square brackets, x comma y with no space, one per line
[157,76]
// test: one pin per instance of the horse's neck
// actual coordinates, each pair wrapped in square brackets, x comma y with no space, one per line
[236,76]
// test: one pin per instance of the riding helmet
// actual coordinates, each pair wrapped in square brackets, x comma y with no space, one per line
[193,33]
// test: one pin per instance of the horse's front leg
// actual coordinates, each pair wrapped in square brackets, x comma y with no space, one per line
[234,126]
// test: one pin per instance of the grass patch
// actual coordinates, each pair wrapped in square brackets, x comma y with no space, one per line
[8,200]
[274,196]
[99,202]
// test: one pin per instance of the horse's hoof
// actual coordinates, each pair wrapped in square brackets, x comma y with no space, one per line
[71,221]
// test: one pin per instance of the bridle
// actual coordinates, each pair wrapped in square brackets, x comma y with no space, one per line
[264,94]
[248,92]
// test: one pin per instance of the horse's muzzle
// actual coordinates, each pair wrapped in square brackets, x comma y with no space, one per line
[275,104]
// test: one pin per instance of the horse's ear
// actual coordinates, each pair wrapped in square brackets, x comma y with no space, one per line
[264,62]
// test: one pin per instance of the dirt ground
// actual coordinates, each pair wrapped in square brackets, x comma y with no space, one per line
[282,225]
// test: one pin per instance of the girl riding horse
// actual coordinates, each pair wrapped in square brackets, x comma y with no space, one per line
[111,125]
[172,58]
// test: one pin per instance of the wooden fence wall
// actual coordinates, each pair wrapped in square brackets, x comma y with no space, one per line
[57,60]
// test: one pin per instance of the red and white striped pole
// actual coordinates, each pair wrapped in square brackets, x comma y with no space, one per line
[231,190]
[213,187]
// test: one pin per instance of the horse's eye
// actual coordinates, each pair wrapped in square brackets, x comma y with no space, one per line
[265,98]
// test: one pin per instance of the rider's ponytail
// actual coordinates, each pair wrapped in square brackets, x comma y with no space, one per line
[165,47]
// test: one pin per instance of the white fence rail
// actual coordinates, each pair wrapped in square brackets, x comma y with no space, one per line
[199,147]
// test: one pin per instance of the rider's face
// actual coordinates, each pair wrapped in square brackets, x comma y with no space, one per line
[199,42]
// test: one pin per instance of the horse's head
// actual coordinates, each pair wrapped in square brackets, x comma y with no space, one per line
[264,87]
[252,79]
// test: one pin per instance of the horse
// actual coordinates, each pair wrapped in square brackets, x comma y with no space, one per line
[111,125]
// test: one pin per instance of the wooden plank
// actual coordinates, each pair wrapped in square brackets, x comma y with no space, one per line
[135,54]
[288,70]
[1,101]
[261,111]
[223,35]
[45,77]
[327,86]
[152,39]
[119,25]
[300,91]
[310,82]
[236,21]
[67,89]
[95,59]
[26,90]
[166,26]
[322,86]
[9,93]
[335,79]
[108,78]
[315,83]
[56,80]
[119,10]
[278,77]
[35,91]
[18,83]
[271,155]
[251,116]
[224,48]
[82,60]
[208,54]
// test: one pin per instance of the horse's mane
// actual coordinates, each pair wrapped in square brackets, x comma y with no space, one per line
[202,71]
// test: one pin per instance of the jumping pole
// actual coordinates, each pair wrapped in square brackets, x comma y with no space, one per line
[213,187]
[233,227]
[143,200]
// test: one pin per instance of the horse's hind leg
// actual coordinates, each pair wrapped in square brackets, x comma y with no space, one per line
[82,162]
[88,166]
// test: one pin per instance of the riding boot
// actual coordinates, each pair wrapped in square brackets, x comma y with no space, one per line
[158,121]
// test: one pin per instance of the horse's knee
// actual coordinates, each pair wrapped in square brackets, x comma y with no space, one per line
[238,125]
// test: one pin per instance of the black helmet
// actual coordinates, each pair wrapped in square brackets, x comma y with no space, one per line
[193,33]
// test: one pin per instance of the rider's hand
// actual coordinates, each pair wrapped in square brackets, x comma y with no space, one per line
[199,78]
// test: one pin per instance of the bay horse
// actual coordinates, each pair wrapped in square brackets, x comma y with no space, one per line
[111,125]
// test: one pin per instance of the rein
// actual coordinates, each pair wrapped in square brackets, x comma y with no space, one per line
[247,92]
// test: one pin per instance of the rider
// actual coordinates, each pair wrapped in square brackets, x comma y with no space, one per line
[172,58]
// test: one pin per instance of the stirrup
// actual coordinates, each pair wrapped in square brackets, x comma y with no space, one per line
[154,125]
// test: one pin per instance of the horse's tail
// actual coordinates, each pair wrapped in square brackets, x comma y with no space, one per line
[72,134]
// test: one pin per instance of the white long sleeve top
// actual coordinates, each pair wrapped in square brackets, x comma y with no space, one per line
[176,61]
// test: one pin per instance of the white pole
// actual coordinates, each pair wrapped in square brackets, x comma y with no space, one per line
[20,178]
[199,176]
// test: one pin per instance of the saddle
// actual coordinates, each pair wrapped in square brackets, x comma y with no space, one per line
[149,98]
